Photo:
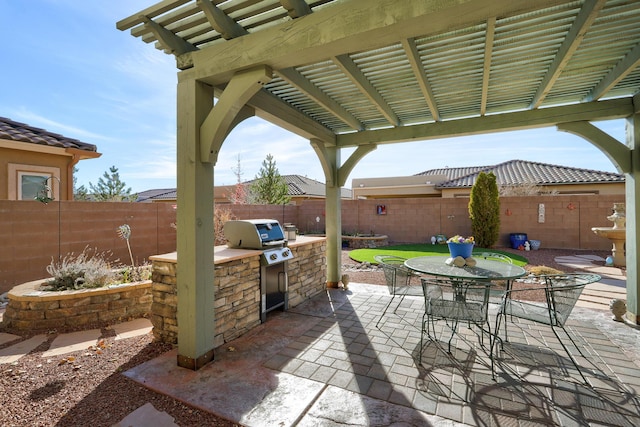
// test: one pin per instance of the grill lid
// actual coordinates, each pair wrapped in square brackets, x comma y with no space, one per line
[253,233]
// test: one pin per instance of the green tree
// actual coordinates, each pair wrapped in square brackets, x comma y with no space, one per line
[110,188]
[484,210]
[269,187]
[81,192]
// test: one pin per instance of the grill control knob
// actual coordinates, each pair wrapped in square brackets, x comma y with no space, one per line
[285,253]
[273,257]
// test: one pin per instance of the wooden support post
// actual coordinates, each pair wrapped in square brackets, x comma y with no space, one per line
[195,230]
[632,186]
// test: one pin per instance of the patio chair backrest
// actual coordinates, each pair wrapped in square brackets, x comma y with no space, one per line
[389,259]
[465,300]
[493,256]
[563,291]
[396,274]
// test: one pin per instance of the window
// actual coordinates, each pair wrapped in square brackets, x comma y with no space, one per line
[34,185]
[26,182]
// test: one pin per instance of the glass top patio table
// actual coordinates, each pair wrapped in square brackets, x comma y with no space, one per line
[483,270]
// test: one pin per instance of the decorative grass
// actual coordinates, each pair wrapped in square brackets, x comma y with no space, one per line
[416,250]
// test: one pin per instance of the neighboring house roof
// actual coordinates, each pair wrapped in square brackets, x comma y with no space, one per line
[159,194]
[519,172]
[20,132]
[299,186]
[303,186]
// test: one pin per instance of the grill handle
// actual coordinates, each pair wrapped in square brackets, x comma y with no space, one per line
[283,278]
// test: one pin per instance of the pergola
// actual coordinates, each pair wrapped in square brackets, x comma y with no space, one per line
[358,73]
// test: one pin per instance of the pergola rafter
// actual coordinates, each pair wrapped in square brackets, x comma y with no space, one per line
[583,21]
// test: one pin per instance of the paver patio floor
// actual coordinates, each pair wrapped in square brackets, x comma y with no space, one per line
[325,363]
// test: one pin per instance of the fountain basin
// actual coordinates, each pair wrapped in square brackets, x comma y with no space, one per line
[617,234]
[618,239]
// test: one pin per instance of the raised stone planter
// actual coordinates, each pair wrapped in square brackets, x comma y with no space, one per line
[29,308]
[365,241]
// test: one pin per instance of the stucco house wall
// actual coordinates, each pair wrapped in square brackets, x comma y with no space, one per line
[27,151]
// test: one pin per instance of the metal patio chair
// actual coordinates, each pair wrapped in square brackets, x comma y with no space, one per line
[561,294]
[398,278]
[454,301]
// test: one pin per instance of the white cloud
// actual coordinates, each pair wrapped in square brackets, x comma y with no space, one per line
[36,120]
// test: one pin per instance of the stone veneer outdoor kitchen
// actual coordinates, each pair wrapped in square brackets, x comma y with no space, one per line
[236,287]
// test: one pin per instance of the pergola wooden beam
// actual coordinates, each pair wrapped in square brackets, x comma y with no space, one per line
[224,116]
[351,70]
[296,8]
[409,46]
[630,62]
[486,69]
[586,17]
[170,42]
[220,21]
[298,80]
[545,117]
[285,116]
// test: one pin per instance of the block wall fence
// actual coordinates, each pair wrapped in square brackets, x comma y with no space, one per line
[29,234]
[29,230]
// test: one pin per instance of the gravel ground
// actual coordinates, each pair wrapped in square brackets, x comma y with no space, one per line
[86,388]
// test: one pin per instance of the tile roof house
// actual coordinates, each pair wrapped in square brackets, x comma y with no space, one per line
[457,182]
[303,188]
[158,195]
[33,160]
[300,188]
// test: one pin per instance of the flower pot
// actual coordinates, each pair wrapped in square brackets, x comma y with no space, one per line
[517,239]
[460,249]
[535,244]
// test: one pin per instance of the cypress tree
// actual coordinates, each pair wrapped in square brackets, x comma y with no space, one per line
[484,210]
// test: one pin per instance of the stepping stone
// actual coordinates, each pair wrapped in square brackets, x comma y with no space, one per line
[5,338]
[16,351]
[74,341]
[133,328]
[147,416]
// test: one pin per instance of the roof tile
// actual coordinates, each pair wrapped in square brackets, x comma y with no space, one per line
[20,132]
[298,186]
[518,172]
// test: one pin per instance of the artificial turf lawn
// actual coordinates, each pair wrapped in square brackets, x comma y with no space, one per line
[415,250]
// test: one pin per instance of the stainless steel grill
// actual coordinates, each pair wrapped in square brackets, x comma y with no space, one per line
[267,235]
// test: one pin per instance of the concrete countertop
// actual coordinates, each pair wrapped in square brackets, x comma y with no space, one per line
[222,254]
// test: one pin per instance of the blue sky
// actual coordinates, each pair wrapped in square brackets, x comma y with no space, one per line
[67,69]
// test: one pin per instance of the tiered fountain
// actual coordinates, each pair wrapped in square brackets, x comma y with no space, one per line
[617,234]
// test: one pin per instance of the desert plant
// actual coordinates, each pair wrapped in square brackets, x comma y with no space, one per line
[221,215]
[124,231]
[85,270]
[484,210]
[136,273]
[540,270]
